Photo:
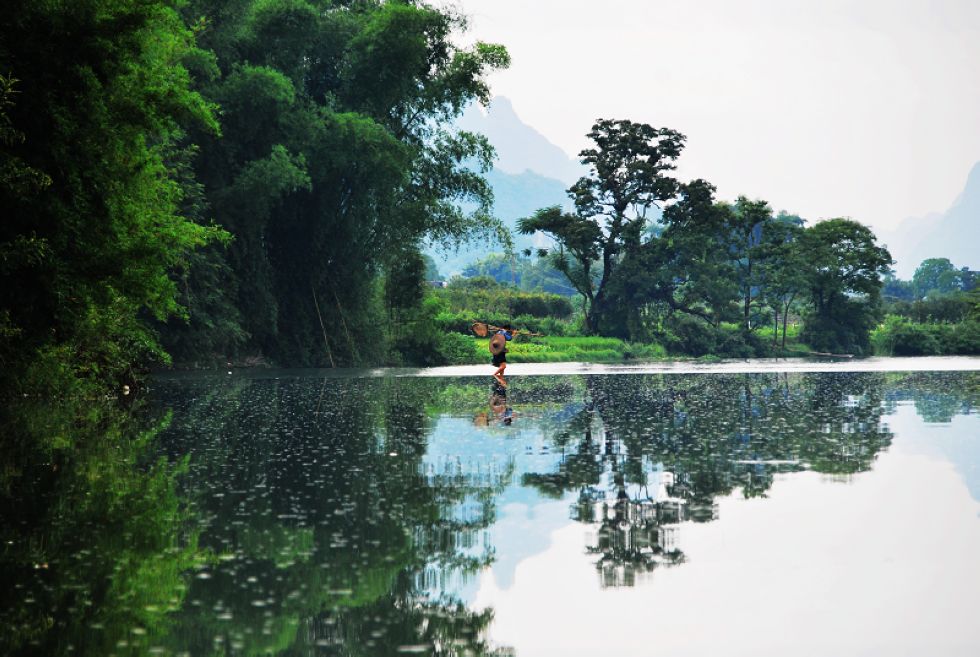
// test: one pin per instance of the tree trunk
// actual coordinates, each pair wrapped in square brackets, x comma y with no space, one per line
[748,295]
[775,328]
[785,315]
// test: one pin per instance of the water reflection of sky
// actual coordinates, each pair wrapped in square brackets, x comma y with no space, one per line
[526,519]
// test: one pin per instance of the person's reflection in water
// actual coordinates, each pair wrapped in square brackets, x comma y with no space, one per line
[498,404]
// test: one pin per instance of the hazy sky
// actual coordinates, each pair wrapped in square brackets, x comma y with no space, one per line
[860,108]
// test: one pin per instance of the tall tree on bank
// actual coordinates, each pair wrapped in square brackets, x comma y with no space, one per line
[938,276]
[784,270]
[94,100]
[845,270]
[335,161]
[749,221]
[687,269]
[627,177]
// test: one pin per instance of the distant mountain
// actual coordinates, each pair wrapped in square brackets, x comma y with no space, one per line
[954,234]
[530,173]
[520,147]
[515,196]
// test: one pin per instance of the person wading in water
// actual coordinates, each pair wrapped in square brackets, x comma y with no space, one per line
[498,346]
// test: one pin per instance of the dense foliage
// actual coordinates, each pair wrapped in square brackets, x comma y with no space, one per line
[334,163]
[94,101]
[703,263]
[242,178]
[937,312]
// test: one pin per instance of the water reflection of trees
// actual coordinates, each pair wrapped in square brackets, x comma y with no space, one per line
[937,396]
[327,532]
[696,438]
[307,520]
[303,523]
[93,540]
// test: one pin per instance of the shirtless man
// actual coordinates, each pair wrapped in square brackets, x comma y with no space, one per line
[500,360]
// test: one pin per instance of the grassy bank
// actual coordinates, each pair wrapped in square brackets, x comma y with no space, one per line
[899,336]
[554,349]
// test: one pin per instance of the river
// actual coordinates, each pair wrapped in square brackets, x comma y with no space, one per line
[690,509]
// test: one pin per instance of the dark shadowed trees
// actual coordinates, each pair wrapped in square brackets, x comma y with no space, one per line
[95,100]
[336,161]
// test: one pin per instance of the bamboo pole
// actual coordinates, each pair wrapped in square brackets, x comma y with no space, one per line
[323,328]
[340,311]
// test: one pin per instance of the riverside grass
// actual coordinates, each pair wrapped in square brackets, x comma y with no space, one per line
[555,349]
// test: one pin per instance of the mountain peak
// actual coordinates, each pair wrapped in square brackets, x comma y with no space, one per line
[971,191]
[954,234]
[503,105]
[519,147]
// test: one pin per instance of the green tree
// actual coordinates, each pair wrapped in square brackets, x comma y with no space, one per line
[336,161]
[698,268]
[846,266]
[896,289]
[750,222]
[580,243]
[686,270]
[784,269]
[92,222]
[628,177]
[936,276]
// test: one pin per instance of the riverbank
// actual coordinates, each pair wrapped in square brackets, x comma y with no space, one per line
[570,349]
[731,366]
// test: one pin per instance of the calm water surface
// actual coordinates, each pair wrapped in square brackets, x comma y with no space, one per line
[630,514]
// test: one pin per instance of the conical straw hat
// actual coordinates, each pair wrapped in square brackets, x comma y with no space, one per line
[497,344]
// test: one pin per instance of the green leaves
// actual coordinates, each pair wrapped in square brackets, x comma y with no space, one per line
[103,100]
[628,167]
[335,161]
[845,269]
[627,179]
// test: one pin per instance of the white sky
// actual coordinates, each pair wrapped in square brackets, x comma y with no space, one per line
[860,108]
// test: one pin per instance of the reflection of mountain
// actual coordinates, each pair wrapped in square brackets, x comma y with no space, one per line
[525,520]
[957,444]
[946,399]
[953,234]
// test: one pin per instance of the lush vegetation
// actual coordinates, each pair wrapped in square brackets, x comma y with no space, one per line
[253,181]
[334,163]
[936,313]
[94,108]
[704,263]
[227,179]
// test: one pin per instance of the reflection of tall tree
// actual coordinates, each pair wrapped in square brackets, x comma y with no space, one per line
[712,434]
[324,525]
[634,536]
[581,467]
[92,542]
[708,429]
